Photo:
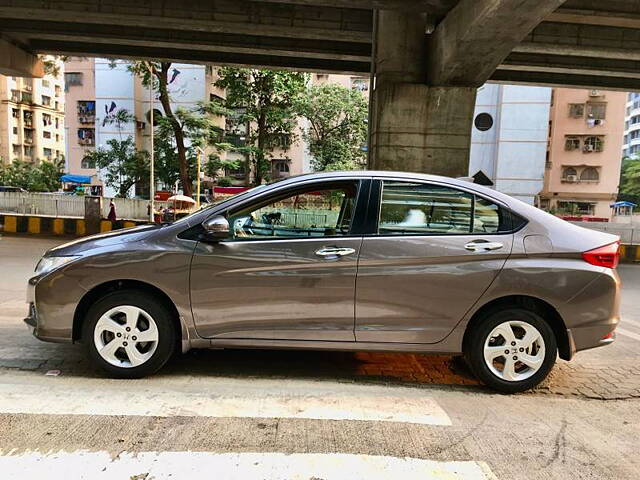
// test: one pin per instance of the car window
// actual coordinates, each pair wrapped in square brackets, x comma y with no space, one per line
[417,208]
[313,212]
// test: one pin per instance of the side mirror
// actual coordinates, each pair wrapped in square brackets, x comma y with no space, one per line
[216,227]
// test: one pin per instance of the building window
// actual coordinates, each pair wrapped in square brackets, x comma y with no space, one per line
[46,101]
[280,168]
[576,208]
[86,137]
[47,153]
[45,83]
[15,113]
[57,122]
[15,130]
[597,111]
[590,174]
[87,163]
[576,110]
[360,84]
[27,118]
[282,141]
[16,150]
[46,119]
[86,111]
[569,174]
[593,144]
[72,79]
[28,150]
[15,96]
[58,90]
[571,143]
[46,134]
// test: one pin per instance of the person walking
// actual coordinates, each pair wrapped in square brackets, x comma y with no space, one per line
[112,211]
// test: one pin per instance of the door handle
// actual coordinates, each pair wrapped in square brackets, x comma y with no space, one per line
[327,252]
[483,246]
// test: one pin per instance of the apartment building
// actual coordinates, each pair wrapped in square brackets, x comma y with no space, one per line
[99,87]
[631,142]
[509,138]
[586,130]
[32,114]
[80,114]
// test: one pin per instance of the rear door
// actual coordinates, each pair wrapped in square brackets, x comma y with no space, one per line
[434,251]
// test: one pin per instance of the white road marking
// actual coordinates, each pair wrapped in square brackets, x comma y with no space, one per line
[627,333]
[234,466]
[365,404]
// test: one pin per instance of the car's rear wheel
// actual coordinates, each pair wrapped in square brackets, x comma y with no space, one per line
[129,334]
[511,350]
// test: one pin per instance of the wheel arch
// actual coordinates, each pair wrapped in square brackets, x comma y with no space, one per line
[102,289]
[547,311]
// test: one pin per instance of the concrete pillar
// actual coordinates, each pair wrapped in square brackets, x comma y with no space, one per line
[414,126]
[92,214]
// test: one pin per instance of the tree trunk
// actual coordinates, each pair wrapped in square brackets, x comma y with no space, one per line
[163,83]
[262,122]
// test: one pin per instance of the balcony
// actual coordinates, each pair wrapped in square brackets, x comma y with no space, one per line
[86,142]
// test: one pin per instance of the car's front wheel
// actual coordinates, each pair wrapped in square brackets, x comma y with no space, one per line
[129,334]
[511,350]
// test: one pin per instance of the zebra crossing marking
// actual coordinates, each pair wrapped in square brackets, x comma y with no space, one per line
[234,466]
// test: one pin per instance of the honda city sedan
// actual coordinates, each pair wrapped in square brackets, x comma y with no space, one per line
[375,261]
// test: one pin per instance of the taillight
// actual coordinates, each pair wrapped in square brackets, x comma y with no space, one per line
[606,256]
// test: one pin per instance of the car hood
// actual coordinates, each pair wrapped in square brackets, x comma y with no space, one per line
[126,235]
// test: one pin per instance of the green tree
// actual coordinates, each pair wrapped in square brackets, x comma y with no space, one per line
[337,131]
[44,177]
[156,75]
[122,164]
[263,100]
[630,177]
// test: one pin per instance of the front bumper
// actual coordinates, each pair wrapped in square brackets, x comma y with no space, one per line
[35,321]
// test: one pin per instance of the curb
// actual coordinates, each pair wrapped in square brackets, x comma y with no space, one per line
[77,227]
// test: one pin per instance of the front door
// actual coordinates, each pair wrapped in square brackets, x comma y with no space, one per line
[434,253]
[287,271]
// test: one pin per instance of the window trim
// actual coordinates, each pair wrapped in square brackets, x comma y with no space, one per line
[376,196]
[362,194]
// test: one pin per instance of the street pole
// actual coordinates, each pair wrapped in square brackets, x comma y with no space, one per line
[152,188]
[199,160]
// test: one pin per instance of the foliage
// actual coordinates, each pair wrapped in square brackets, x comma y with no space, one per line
[224,182]
[337,132]
[630,179]
[263,101]
[122,164]
[119,118]
[44,177]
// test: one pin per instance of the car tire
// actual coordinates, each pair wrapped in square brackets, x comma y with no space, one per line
[511,350]
[142,327]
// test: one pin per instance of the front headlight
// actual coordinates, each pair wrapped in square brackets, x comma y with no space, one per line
[47,264]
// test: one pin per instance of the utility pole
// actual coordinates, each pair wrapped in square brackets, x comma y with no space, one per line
[152,188]
[199,161]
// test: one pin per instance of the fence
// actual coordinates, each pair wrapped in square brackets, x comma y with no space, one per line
[68,206]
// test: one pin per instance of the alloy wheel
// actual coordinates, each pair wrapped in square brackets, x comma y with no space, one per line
[514,351]
[126,336]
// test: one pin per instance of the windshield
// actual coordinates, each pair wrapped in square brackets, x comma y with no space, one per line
[217,203]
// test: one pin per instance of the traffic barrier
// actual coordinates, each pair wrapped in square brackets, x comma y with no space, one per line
[70,227]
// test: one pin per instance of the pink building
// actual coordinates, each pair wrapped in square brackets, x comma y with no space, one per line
[586,130]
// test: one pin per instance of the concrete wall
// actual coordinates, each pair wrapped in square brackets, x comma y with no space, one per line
[512,152]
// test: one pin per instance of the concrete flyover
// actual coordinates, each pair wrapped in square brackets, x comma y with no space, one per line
[427,56]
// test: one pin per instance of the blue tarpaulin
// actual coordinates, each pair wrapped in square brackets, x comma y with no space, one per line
[81,179]
[623,204]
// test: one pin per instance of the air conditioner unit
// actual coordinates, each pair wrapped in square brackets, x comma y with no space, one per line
[571,178]
[595,93]
[28,88]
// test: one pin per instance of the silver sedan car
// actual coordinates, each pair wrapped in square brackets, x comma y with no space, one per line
[377,261]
